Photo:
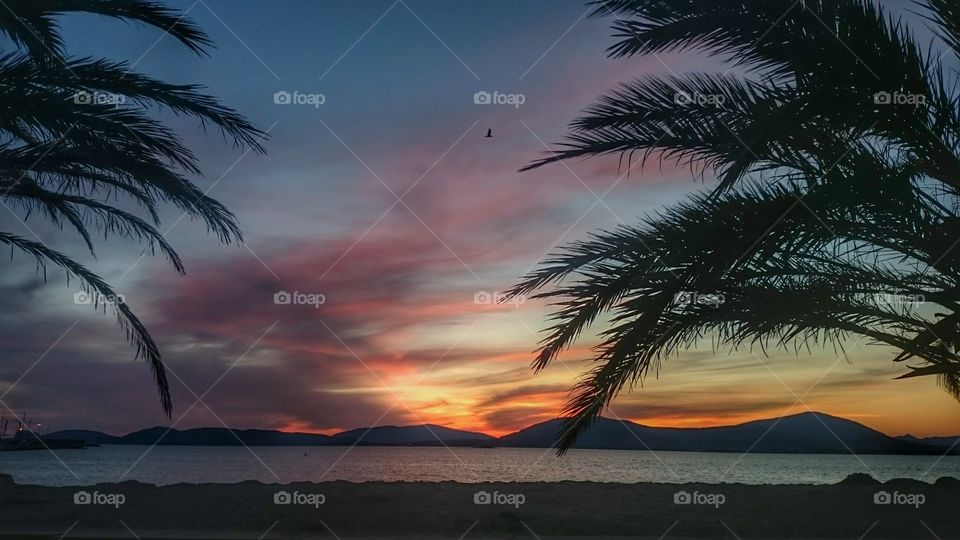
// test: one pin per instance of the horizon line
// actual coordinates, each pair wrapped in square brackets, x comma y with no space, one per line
[430,424]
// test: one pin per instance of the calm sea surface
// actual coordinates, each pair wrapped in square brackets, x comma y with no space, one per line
[194,464]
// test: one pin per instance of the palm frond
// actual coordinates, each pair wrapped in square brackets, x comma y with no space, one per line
[80,136]
[946,16]
[80,211]
[135,330]
[32,24]
[795,265]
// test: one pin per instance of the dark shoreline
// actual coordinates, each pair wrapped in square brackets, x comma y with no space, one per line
[802,433]
[448,510]
[932,451]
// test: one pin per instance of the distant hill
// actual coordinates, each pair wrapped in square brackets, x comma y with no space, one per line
[427,434]
[423,435]
[946,442]
[800,433]
[89,437]
[805,433]
[197,437]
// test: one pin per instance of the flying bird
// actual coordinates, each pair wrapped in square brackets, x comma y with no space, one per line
[489,133]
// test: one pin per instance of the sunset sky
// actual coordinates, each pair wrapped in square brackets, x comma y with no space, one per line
[399,339]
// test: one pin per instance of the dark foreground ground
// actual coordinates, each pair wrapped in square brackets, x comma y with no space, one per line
[448,510]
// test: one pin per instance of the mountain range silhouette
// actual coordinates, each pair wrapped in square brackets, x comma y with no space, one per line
[810,432]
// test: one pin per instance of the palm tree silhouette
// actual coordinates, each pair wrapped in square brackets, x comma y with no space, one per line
[834,139]
[78,136]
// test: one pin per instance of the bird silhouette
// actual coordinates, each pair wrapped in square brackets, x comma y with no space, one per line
[489,133]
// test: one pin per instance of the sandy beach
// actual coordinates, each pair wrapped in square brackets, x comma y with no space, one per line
[856,508]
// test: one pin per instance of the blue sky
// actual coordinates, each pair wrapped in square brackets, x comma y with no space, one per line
[320,215]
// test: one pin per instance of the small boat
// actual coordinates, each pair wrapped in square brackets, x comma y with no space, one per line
[39,443]
[26,439]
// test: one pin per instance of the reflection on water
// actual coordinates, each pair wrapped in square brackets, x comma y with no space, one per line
[193,464]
